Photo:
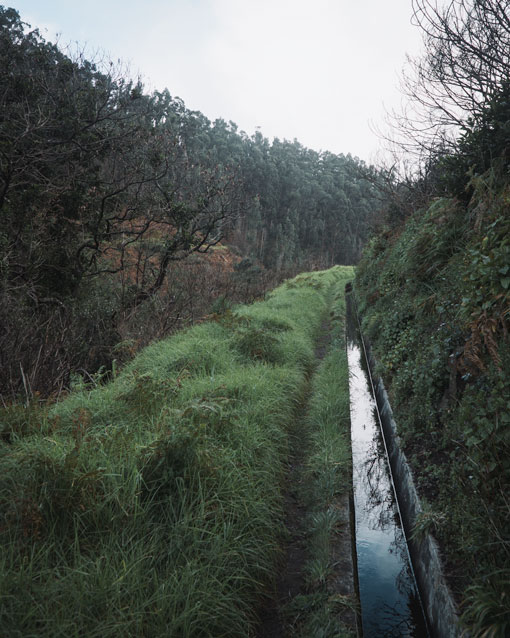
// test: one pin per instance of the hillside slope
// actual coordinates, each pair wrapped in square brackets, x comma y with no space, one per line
[435,298]
[109,192]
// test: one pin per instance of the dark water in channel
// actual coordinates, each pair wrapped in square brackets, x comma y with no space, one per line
[390,603]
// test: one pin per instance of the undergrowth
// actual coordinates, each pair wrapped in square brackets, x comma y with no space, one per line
[150,505]
[435,301]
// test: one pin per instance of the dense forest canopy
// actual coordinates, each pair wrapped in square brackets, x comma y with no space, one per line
[105,190]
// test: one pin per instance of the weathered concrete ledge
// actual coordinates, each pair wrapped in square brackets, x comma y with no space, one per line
[437,599]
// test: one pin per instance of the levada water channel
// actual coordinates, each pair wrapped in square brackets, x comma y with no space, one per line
[390,602]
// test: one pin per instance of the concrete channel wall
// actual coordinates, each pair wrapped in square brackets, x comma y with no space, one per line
[436,597]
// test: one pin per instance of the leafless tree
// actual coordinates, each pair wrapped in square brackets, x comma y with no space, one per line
[466,60]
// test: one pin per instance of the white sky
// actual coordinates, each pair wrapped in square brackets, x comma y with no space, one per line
[320,71]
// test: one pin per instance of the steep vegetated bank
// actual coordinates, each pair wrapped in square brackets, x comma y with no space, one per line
[151,505]
[434,294]
[108,194]
[434,290]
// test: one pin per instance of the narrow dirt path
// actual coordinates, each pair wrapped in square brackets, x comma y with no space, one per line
[290,582]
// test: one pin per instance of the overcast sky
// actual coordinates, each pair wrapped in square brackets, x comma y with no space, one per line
[321,71]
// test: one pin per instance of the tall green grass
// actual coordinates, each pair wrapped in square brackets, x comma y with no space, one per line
[321,612]
[150,506]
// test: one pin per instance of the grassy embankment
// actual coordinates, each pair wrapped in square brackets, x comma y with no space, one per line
[151,506]
[435,300]
[324,610]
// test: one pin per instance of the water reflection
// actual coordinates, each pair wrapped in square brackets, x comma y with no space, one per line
[389,599]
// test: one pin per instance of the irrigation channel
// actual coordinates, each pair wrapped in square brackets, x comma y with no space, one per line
[390,601]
